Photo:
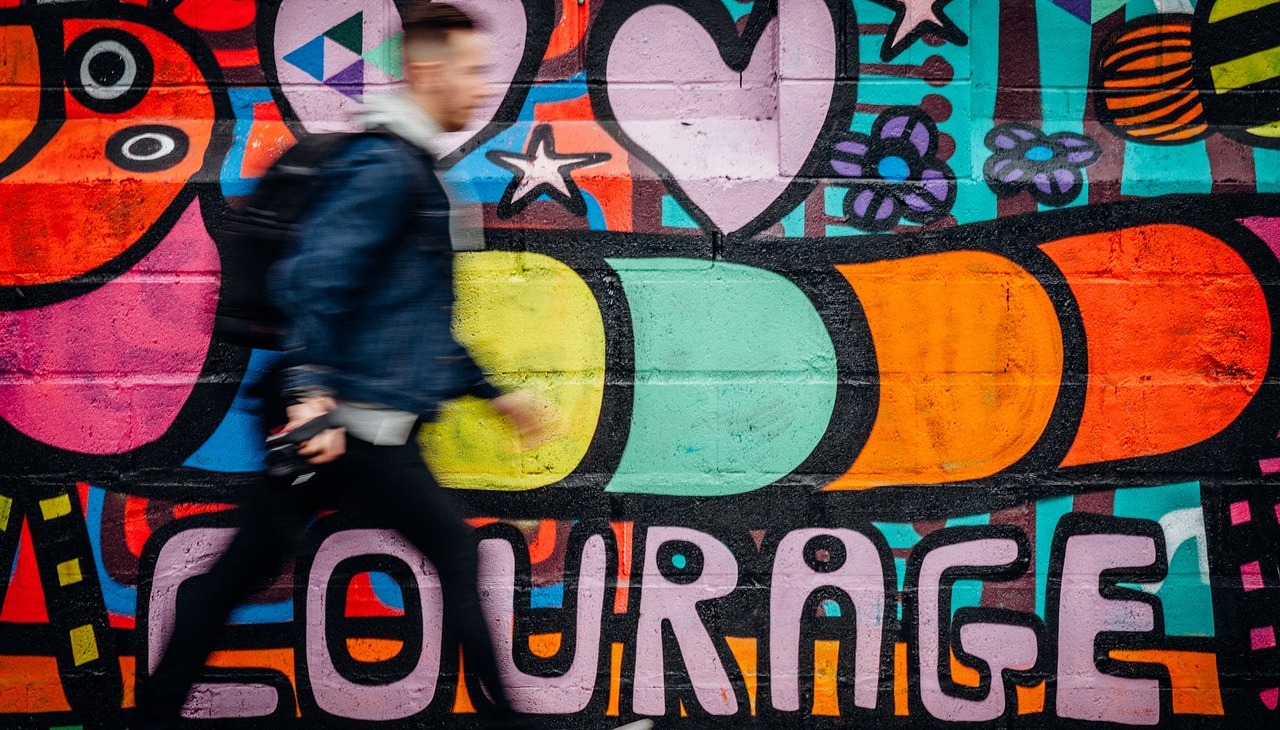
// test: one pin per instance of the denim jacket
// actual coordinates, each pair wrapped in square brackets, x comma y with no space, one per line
[368,285]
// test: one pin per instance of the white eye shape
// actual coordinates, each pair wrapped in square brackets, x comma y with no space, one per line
[108,70]
[148,147]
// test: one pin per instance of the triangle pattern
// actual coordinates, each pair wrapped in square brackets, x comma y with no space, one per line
[349,33]
[309,57]
[337,59]
[24,598]
[386,56]
[350,80]
[1079,8]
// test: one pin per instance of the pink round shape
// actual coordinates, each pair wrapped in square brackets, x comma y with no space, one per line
[107,372]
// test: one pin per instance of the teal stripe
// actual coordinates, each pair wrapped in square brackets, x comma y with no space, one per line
[1151,170]
[1048,513]
[1065,44]
[1266,168]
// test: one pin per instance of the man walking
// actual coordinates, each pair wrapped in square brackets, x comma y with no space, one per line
[369,293]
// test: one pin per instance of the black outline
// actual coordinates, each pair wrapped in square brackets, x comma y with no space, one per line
[947,30]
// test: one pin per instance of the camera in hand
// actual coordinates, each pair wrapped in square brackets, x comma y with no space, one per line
[283,460]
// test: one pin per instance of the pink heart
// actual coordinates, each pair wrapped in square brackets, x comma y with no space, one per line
[731,143]
[1270,697]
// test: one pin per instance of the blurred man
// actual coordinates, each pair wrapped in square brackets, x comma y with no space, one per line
[368,290]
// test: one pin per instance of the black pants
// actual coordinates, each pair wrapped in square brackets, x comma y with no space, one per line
[389,484]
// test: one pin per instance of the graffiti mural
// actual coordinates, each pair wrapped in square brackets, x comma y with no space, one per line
[914,359]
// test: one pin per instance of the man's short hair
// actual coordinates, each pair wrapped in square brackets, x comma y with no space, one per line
[429,23]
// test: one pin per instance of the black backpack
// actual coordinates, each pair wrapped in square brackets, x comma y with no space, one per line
[259,234]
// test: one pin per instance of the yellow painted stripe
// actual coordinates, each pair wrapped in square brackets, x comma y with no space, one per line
[6,505]
[1224,9]
[55,507]
[69,572]
[1265,130]
[1251,69]
[84,645]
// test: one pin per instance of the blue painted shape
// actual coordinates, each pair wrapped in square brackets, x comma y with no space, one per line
[674,215]
[1079,9]
[831,609]
[547,596]
[1185,594]
[387,591]
[833,200]
[739,9]
[243,99]
[236,445]
[309,57]
[119,598]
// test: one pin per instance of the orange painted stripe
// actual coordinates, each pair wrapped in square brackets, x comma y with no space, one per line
[1162,112]
[745,653]
[1193,674]
[1145,81]
[1187,133]
[1190,115]
[462,700]
[280,660]
[1171,28]
[1178,338]
[615,680]
[1030,699]
[372,651]
[129,677]
[1162,60]
[963,674]
[969,354]
[1120,53]
[826,666]
[236,57]
[1130,101]
[622,531]
[545,645]
[30,685]
[901,705]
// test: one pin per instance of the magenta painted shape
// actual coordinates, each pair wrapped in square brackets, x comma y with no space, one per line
[860,577]
[1251,576]
[731,142]
[1240,512]
[1263,637]
[1270,697]
[107,372]
[1269,466]
[1266,228]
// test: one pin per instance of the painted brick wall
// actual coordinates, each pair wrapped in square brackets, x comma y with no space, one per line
[913,359]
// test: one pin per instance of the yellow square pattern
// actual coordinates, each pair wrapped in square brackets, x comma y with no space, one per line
[55,507]
[84,645]
[69,572]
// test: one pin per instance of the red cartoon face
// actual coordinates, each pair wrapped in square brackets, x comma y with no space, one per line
[108,276]
[129,120]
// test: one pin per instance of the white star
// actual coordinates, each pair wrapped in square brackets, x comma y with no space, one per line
[540,170]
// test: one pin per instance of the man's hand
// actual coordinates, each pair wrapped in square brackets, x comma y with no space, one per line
[535,418]
[330,443]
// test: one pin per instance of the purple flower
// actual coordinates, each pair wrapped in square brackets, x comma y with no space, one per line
[894,172]
[1049,166]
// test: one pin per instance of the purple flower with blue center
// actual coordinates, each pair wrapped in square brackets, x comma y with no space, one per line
[894,173]
[1049,166]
